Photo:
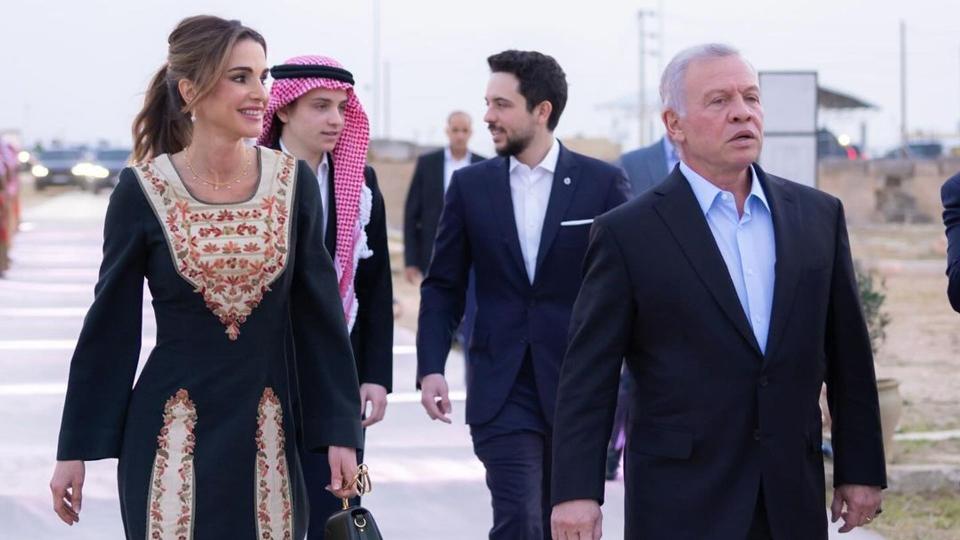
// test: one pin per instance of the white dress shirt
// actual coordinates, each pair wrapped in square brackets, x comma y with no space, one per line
[451,165]
[530,189]
[746,243]
[323,177]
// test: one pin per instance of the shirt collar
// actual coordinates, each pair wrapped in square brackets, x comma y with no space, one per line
[549,162]
[448,155]
[706,192]
[323,166]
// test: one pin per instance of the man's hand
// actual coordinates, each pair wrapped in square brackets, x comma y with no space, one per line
[577,520]
[376,395]
[67,489]
[343,469]
[862,505]
[435,397]
[413,275]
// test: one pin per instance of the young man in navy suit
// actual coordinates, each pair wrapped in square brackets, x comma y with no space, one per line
[521,220]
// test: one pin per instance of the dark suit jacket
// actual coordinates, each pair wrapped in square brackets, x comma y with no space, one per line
[951,219]
[712,418]
[645,167]
[372,334]
[423,207]
[478,229]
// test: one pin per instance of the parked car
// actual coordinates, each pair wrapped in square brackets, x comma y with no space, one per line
[101,171]
[829,147]
[917,150]
[55,168]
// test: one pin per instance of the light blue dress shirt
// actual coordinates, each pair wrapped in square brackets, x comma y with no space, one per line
[746,243]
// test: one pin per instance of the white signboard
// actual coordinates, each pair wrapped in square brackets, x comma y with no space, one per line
[790,125]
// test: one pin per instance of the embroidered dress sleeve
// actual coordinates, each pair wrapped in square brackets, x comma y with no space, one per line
[327,375]
[105,359]
[375,297]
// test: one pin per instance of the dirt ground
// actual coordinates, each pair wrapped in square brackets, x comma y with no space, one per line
[922,349]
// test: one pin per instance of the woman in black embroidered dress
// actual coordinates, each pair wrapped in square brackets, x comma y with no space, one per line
[228,237]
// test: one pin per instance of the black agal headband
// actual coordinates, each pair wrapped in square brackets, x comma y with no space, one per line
[301,71]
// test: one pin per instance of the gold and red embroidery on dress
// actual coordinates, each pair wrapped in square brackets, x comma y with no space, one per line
[171,502]
[230,254]
[274,500]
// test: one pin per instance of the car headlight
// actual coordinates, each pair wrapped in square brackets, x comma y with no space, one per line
[81,169]
[39,171]
[23,156]
[99,172]
[90,170]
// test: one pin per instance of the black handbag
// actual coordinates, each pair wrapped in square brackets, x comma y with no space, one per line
[354,522]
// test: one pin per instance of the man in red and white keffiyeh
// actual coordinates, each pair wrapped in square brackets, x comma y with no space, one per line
[315,115]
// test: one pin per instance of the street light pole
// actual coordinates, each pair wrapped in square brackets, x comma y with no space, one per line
[642,66]
[375,132]
[903,86]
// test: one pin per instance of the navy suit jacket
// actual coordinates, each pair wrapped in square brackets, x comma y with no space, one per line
[645,167]
[478,229]
[422,208]
[951,219]
[712,418]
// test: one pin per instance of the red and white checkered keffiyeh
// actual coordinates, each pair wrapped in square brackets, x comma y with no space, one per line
[352,196]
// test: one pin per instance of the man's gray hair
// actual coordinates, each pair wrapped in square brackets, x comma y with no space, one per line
[672,90]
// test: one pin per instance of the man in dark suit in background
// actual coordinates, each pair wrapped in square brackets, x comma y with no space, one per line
[520,221]
[431,178]
[648,166]
[645,168]
[737,305]
[950,194]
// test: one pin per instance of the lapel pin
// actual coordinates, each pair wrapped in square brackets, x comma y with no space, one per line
[566,181]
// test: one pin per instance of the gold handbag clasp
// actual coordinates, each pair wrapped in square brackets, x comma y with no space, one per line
[362,481]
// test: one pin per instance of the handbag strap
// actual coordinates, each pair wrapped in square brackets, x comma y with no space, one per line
[361,481]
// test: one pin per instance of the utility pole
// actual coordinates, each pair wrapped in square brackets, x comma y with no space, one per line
[386,100]
[644,35]
[903,87]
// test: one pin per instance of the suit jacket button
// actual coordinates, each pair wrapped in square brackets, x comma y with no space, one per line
[756,435]
[764,381]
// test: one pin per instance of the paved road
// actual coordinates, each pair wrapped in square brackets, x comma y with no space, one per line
[428,484]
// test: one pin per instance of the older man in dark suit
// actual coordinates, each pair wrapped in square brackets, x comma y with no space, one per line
[734,309]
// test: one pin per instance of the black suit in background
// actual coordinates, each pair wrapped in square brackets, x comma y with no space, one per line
[423,207]
[715,423]
[950,194]
[420,219]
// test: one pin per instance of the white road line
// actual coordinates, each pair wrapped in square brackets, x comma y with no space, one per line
[37,344]
[33,389]
[414,397]
[58,389]
[69,344]
[29,286]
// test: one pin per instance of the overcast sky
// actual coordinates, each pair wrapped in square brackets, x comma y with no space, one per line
[76,70]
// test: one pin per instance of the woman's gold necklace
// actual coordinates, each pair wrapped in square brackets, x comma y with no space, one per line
[217,185]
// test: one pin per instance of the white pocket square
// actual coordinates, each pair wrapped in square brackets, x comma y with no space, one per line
[575,222]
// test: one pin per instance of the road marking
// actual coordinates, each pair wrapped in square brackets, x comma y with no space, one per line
[414,397]
[33,389]
[69,344]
